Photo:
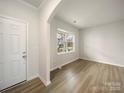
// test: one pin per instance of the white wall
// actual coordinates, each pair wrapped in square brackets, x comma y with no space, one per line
[62,59]
[104,43]
[46,11]
[14,8]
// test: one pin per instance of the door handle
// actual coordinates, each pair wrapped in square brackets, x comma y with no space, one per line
[24,54]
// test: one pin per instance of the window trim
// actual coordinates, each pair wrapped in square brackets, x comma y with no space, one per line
[68,32]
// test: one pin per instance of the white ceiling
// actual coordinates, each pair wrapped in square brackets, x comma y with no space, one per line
[35,3]
[89,13]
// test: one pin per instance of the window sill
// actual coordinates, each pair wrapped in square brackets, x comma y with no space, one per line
[65,53]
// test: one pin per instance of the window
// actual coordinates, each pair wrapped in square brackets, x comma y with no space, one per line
[65,42]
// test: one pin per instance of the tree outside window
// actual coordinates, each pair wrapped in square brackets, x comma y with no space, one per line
[65,42]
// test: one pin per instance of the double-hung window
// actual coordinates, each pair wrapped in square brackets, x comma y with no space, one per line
[65,42]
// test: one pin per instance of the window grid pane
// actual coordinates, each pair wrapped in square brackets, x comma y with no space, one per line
[65,42]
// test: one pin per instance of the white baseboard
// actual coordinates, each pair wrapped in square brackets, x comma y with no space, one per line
[64,64]
[32,77]
[46,83]
[95,60]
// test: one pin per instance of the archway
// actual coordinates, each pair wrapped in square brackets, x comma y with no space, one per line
[47,11]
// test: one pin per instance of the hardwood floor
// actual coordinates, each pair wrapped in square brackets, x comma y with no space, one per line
[79,77]
[33,86]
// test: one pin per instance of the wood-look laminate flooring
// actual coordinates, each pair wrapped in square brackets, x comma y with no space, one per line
[81,76]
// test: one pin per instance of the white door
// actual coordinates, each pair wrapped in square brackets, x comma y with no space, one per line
[12,52]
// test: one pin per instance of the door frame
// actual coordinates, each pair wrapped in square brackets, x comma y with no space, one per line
[26,23]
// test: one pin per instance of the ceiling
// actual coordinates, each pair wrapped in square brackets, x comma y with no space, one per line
[35,3]
[90,13]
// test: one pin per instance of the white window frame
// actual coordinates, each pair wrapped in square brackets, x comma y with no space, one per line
[66,32]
